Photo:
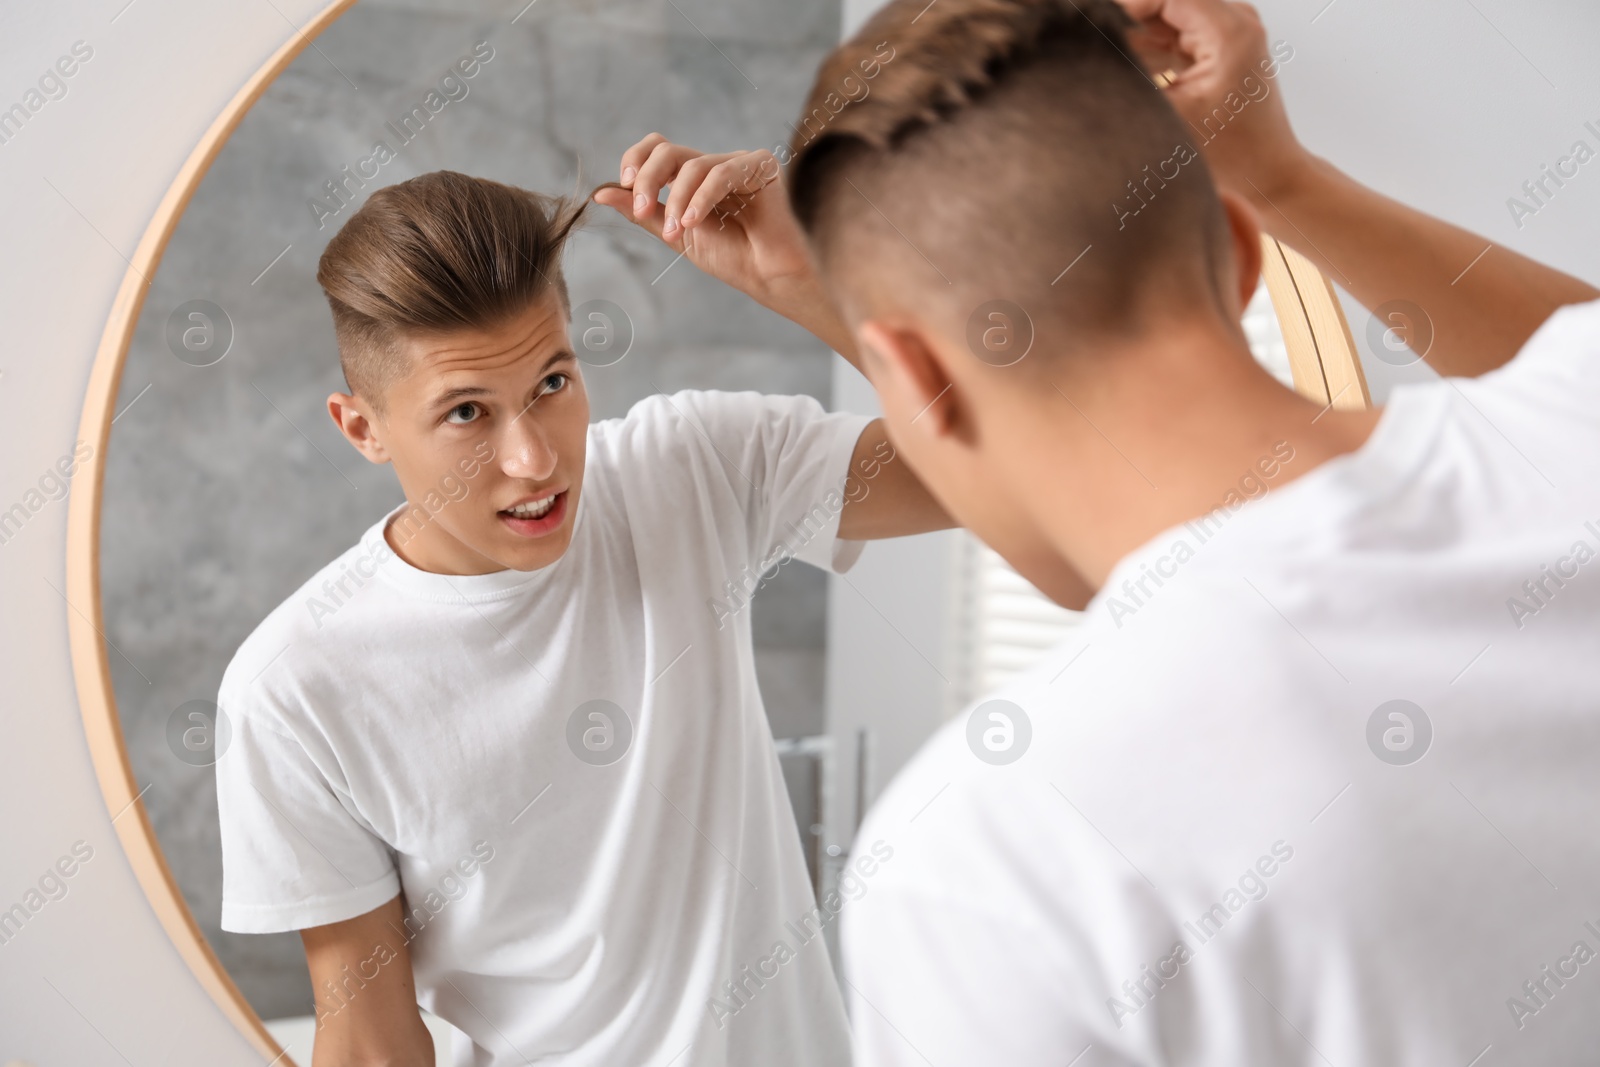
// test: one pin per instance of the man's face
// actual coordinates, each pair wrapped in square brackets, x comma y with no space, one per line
[508,403]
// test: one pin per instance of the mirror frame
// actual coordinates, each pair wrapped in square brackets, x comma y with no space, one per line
[1322,358]
[91,666]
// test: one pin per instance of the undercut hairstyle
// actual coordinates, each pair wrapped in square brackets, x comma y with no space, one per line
[1007,150]
[440,253]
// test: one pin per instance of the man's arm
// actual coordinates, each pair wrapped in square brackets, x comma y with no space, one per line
[882,498]
[729,215]
[366,995]
[1483,300]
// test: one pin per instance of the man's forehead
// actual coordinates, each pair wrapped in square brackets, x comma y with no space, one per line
[537,338]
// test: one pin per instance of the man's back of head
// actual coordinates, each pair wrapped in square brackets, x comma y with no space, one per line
[1037,264]
[1003,139]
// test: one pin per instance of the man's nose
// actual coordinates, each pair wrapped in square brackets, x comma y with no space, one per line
[528,453]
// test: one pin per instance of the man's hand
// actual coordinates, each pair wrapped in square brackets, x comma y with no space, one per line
[729,214]
[1464,304]
[1212,49]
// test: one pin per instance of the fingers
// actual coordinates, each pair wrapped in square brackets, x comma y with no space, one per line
[701,185]
[618,199]
[1142,10]
[1192,27]
[658,169]
[1156,45]
[621,200]
[691,177]
[728,181]
[634,157]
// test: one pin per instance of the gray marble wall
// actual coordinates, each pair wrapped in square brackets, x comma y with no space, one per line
[227,485]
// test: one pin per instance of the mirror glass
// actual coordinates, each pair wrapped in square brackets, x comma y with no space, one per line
[1261,329]
[227,486]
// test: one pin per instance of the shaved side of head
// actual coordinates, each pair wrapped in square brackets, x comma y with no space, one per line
[1009,150]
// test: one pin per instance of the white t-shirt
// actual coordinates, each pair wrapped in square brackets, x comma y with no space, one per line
[1216,848]
[583,879]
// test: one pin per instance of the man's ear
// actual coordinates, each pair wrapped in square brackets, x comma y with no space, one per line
[910,379]
[350,416]
[1245,226]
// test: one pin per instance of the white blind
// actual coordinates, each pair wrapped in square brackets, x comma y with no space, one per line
[1261,329]
[1008,625]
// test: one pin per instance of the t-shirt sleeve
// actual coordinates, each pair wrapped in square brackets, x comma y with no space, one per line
[1562,356]
[294,852]
[786,460]
[1544,401]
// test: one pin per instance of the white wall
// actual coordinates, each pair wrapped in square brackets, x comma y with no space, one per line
[91,978]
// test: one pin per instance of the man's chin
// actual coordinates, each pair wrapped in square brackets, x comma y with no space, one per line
[523,554]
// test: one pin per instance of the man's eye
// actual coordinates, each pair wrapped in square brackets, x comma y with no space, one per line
[469,409]
[554,383]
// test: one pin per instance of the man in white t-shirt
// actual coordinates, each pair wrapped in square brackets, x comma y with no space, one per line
[506,756]
[1318,779]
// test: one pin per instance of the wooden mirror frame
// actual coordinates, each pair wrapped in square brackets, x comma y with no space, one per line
[91,665]
[1322,358]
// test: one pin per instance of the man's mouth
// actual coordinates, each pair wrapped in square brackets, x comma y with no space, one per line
[536,517]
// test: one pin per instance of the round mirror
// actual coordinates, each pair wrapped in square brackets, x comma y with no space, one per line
[227,486]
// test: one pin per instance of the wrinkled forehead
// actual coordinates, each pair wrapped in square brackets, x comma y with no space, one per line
[525,342]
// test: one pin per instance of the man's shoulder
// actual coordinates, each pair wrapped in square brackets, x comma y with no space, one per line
[668,438]
[687,412]
[1150,711]
[1569,340]
[304,629]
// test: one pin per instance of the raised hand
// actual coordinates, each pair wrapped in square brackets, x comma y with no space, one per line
[1223,82]
[727,212]
[1385,253]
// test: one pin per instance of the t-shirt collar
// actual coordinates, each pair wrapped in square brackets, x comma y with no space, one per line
[1374,471]
[452,588]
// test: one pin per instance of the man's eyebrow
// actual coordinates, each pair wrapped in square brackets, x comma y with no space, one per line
[559,357]
[459,392]
[463,391]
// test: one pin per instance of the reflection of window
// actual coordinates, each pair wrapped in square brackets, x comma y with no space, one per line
[1266,338]
[1003,624]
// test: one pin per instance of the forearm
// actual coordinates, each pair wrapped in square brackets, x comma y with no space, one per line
[366,998]
[1483,300]
[805,303]
[883,495]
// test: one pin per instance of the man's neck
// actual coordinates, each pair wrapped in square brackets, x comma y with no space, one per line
[429,547]
[1168,437]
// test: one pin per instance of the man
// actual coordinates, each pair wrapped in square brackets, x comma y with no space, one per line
[506,756]
[1316,781]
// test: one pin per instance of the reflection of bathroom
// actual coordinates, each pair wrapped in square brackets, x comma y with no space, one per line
[195,554]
